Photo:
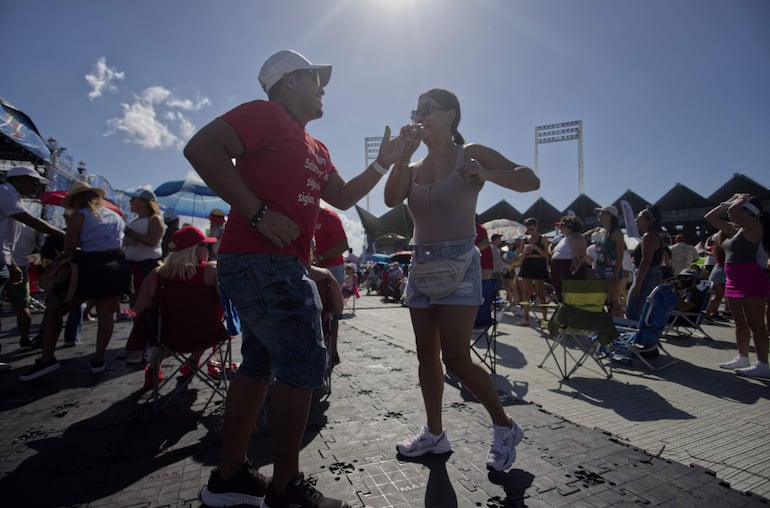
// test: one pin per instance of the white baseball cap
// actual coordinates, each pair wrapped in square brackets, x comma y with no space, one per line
[25,171]
[286,61]
[609,209]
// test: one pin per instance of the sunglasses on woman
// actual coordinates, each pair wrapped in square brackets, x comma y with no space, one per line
[425,110]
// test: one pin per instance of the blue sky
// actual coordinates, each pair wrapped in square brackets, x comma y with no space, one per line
[668,90]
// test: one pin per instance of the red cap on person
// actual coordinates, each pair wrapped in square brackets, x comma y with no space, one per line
[188,236]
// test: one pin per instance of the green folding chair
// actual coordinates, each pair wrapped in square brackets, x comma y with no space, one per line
[581,327]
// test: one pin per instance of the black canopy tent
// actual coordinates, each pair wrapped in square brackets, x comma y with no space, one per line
[19,138]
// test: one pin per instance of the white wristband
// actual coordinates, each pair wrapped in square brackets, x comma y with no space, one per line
[378,168]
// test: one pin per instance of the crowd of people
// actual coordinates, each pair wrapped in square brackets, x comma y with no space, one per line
[277,238]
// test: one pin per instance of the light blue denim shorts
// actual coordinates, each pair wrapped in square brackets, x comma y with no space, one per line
[717,275]
[280,312]
[469,290]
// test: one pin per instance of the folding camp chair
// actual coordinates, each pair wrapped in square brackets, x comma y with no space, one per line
[349,289]
[640,340]
[190,318]
[686,324]
[484,339]
[329,326]
[350,294]
[580,326]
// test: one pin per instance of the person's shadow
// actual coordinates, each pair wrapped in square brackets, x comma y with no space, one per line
[510,393]
[515,482]
[106,453]
[439,492]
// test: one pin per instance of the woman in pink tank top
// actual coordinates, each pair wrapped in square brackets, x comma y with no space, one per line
[442,190]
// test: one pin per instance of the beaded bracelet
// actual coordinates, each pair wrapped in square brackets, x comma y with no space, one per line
[259,215]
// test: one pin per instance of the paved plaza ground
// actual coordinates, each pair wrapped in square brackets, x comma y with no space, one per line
[690,435]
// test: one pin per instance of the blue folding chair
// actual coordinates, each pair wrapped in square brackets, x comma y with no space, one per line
[640,340]
[687,324]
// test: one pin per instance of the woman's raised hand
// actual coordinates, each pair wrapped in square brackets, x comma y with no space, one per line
[473,172]
[399,148]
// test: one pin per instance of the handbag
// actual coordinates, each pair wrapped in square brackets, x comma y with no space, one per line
[56,275]
[439,278]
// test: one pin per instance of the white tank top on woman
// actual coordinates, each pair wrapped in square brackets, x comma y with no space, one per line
[136,251]
[563,249]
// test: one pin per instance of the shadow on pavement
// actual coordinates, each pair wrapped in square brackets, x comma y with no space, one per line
[515,482]
[109,451]
[439,492]
[73,375]
[617,396]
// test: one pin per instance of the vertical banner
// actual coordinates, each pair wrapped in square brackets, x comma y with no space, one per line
[630,219]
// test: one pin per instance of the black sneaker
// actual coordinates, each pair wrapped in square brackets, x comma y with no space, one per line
[246,487]
[301,493]
[29,344]
[97,367]
[40,369]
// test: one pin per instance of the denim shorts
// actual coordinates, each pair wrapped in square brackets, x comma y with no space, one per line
[717,275]
[469,290]
[280,312]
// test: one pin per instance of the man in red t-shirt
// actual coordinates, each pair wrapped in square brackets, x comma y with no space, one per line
[275,186]
[487,261]
[330,243]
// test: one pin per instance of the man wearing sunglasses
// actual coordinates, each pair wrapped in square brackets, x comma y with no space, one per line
[275,186]
[21,182]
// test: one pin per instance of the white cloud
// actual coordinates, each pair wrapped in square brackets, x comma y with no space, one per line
[150,123]
[186,127]
[142,127]
[354,231]
[194,177]
[188,104]
[155,94]
[102,78]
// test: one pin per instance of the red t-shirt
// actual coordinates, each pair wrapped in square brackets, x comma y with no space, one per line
[328,232]
[487,262]
[285,167]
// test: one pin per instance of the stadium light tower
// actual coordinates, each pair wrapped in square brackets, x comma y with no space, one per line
[371,149]
[565,131]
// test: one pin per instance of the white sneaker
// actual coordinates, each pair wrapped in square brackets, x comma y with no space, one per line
[502,451]
[759,369]
[739,362]
[423,443]
[135,357]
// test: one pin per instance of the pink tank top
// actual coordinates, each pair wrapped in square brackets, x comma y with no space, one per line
[444,210]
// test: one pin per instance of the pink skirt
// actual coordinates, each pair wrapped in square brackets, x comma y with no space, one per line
[746,280]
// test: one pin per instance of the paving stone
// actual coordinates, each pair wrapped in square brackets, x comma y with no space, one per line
[74,429]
